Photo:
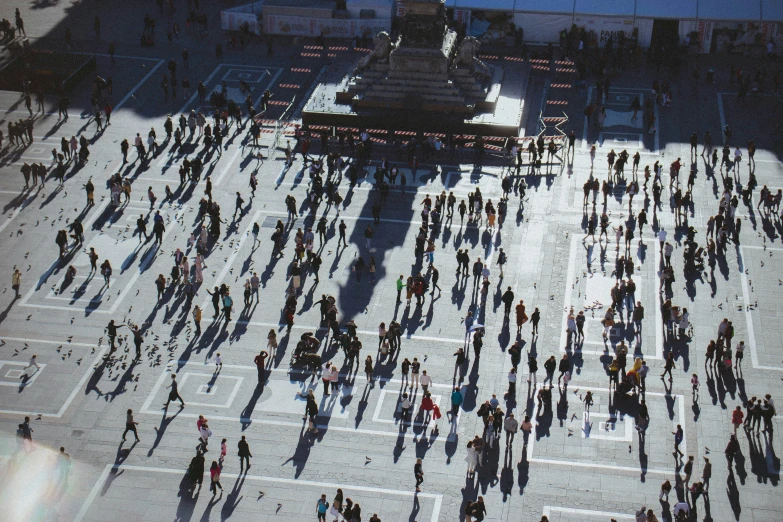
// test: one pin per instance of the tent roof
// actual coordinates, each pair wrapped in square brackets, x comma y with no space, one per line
[484,5]
[605,7]
[550,7]
[675,9]
[772,10]
[723,10]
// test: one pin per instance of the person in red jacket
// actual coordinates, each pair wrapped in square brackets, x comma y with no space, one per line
[426,406]
[737,416]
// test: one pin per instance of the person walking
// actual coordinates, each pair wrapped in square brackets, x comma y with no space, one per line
[426,381]
[502,260]
[27,433]
[706,473]
[679,435]
[368,234]
[342,227]
[260,362]
[532,366]
[197,319]
[588,402]
[456,402]
[415,368]
[510,426]
[521,316]
[228,303]
[508,300]
[737,417]
[688,471]
[418,472]
[130,425]
[141,227]
[244,453]
[33,362]
[368,370]
[138,338]
[731,449]
[321,506]
[204,434]
[563,366]
[174,393]
[668,366]
[549,366]
[16,282]
[214,473]
[325,373]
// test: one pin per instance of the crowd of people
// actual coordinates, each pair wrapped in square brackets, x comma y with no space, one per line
[343,158]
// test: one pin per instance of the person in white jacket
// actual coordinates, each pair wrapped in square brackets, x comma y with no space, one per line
[205,433]
[334,378]
[426,381]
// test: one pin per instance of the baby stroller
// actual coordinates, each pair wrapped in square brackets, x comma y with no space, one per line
[625,385]
[307,345]
[84,155]
[308,361]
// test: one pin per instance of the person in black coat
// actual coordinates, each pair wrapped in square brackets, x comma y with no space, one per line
[196,469]
[244,453]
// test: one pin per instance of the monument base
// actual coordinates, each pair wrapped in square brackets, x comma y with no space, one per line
[500,114]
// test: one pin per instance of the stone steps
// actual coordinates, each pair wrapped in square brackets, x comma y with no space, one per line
[412,82]
[445,98]
[417,90]
[401,103]
[409,75]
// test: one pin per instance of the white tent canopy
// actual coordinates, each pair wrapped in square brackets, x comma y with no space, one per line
[549,7]
[766,10]
[772,10]
[717,10]
[483,5]
[605,7]
[672,9]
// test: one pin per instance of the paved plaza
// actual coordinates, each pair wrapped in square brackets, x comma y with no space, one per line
[577,463]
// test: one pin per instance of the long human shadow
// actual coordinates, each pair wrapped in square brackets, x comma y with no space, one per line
[95,378]
[121,456]
[4,313]
[161,429]
[187,500]
[246,417]
[355,297]
[232,499]
[301,454]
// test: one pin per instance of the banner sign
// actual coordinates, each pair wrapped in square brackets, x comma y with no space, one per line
[329,27]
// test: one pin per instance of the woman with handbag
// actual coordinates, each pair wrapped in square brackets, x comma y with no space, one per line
[214,472]
[608,322]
